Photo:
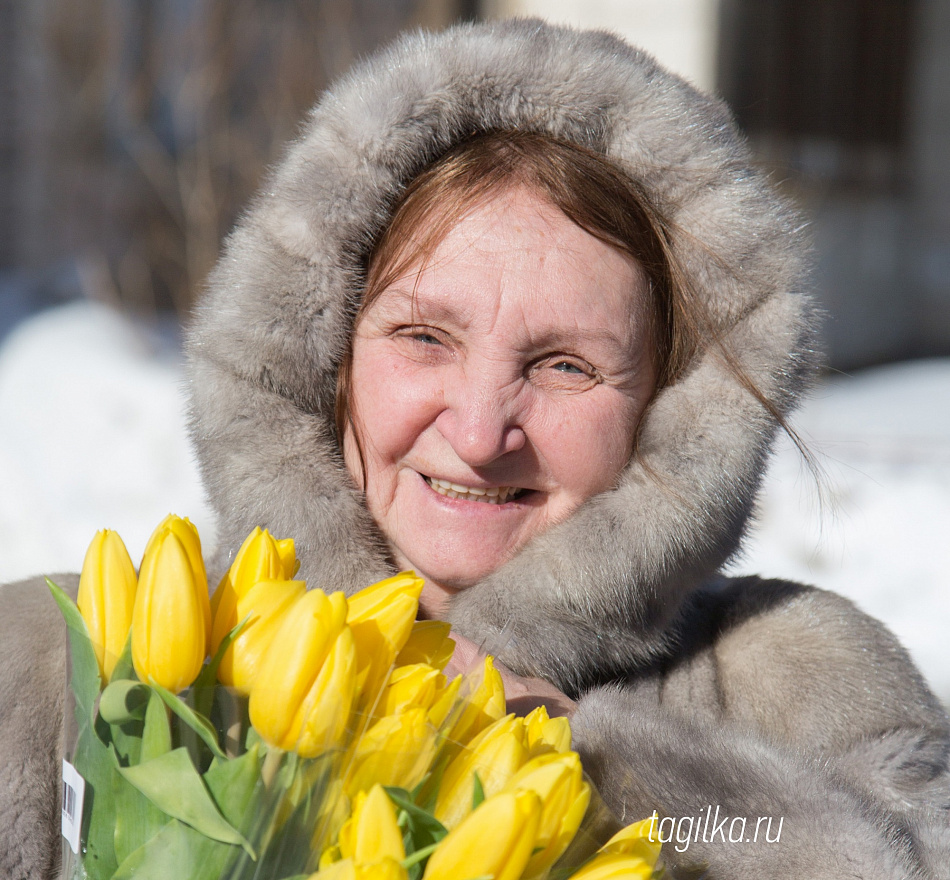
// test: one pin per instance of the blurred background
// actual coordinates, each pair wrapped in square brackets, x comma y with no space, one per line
[132,132]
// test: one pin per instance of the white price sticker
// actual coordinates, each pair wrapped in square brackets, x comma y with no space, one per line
[74,787]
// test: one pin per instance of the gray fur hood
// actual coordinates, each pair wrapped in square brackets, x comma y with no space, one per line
[270,331]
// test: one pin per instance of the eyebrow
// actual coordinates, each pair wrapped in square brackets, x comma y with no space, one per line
[436,310]
[427,309]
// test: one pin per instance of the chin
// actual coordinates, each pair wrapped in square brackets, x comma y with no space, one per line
[451,575]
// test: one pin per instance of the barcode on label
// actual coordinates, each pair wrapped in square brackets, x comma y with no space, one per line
[74,787]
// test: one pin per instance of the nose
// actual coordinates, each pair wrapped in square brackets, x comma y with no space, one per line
[481,419]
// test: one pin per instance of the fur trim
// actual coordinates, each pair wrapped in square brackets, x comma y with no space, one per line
[268,335]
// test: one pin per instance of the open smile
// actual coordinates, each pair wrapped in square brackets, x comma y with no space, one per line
[487,495]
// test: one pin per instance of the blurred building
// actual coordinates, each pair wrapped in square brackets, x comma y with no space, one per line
[847,102]
[132,133]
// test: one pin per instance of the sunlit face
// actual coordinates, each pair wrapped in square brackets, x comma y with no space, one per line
[497,389]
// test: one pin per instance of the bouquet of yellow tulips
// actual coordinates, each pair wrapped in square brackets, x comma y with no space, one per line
[277,732]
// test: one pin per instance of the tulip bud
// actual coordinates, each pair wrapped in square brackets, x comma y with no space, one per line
[409,687]
[495,755]
[183,529]
[428,643]
[612,866]
[547,734]
[494,840]
[396,750]
[303,692]
[381,617]
[168,623]
[387,869]
[372,834]
[445,701]
[629,853]
[635,840]
[265,605]
[288,557]
[260,558]
[106,597]
[484,707]
[558,780]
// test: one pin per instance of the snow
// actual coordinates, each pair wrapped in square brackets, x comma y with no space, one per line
[92,435]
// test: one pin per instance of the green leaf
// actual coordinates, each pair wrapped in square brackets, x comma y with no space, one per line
[171,782]
[422,830]
[232,784]
[178,852]
[94,760]
[123,700]
[198,723]
[478,791]
[137,819]
[419,819]
[156,734]
[96,763]
[84,671]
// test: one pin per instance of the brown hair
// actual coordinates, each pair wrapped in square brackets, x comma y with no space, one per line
[592,192]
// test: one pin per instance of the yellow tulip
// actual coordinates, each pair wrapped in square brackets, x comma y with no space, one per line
[428,643]
[629,853]
[265,605]
[381,617]
[183,529]
[106,597]
[445,701]
[495,755]
[168,624]
[386,869]
[547,734]
[614,866]
[303,692]
[484,706]
[396,750]
[288,557]
[260,558]
[635,840]
[496,839]
[409,687]
[558,780]
[371,833]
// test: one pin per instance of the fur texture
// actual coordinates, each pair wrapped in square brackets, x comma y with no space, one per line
[268,336]
[766,699]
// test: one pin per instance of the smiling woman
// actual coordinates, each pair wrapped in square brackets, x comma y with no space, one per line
[503,353]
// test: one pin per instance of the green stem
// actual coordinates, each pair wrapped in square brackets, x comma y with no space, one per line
[272,760]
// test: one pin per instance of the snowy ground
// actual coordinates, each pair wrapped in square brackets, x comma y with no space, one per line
[92,435]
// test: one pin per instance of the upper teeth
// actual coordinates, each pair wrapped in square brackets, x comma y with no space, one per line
[492,495]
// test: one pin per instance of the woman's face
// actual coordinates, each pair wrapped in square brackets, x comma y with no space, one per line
[497,389]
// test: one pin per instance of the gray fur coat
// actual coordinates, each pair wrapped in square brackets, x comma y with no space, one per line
[718,703]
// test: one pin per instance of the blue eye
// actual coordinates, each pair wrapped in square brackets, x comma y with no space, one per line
[567,367]
[426,338]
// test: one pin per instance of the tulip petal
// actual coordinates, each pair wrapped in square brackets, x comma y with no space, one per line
[509,821]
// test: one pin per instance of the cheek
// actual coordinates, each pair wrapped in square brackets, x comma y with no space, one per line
[392,404]
[587,443]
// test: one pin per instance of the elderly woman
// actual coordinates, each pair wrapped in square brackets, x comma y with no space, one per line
[515,312]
